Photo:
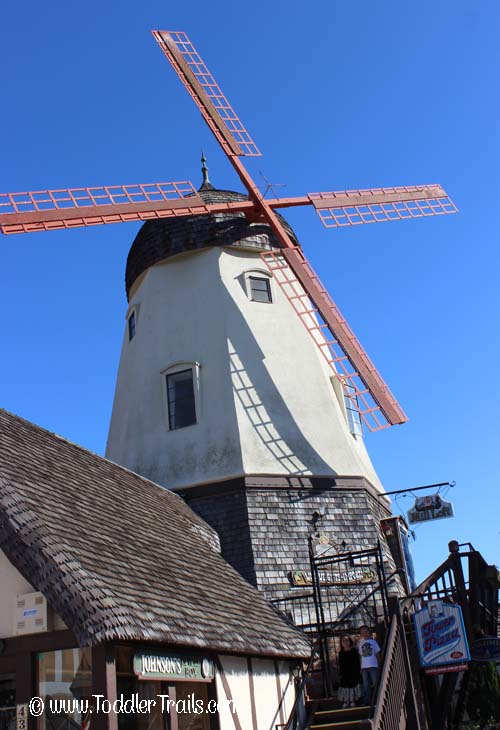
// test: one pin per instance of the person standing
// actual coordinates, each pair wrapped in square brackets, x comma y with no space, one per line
[369,651]
[349,673]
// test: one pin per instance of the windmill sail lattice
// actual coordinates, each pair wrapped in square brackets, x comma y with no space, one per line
[363,385]
[377,205]
[51,209]
[215,108]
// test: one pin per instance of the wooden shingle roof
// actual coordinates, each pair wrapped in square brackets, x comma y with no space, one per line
[120,558]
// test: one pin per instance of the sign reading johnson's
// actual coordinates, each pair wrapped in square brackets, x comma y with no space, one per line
[441,635]
[166,666]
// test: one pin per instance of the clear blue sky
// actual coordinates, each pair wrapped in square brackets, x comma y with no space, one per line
[337,95]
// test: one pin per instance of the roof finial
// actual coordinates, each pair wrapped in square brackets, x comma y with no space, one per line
[204,169]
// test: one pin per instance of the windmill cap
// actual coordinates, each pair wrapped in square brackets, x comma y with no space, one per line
[162,238]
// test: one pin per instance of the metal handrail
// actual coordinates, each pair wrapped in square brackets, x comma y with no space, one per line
[353,607]
[303,599]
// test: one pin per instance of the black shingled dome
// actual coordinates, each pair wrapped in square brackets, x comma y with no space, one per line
[164,237]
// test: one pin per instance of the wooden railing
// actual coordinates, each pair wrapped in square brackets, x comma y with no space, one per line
[395,707]
[474,589]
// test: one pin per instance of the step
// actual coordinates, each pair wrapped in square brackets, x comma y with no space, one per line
[349,713]
[350,718]
[342,725]
[332,704]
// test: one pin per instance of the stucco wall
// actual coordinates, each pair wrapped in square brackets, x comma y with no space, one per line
[266,406]
[179,318]
[262,700]
[289,418]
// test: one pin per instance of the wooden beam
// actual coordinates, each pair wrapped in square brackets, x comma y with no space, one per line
[46,641]
[25,681]
[104,683]
[185,206]
[367,197]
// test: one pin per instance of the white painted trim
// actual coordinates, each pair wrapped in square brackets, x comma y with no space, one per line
[177,367]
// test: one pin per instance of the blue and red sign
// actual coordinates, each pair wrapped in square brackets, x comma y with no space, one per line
[441,636]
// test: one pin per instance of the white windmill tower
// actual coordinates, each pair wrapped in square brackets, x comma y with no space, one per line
[218,379]
[240,383]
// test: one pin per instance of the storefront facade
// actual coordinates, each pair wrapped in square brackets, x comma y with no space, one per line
[139,687]
[117,610]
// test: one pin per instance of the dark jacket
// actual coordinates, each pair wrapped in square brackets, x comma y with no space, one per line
[349,668]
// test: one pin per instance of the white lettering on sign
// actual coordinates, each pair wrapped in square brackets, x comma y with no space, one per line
[429,508]
[161,665]
[156,666]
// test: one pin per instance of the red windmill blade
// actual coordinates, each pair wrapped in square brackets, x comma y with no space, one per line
[337,343]
[363,385]
[43,210]
[206,93]
[376,205]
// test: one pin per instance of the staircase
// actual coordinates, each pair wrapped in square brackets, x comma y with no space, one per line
[327,717]
[402,700]
[395,706]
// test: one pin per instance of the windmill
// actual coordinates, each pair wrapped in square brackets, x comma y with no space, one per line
[362,384]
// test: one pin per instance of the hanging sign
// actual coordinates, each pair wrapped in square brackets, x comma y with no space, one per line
[179,667]
[486,650]
[429,508]
[441,636]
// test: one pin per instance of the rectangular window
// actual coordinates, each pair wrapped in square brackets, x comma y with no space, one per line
[260,289]
[181,402]
[131,326]
[352,412]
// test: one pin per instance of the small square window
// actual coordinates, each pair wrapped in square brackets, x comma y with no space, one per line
[180,399]
[131,326]
[260,289]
